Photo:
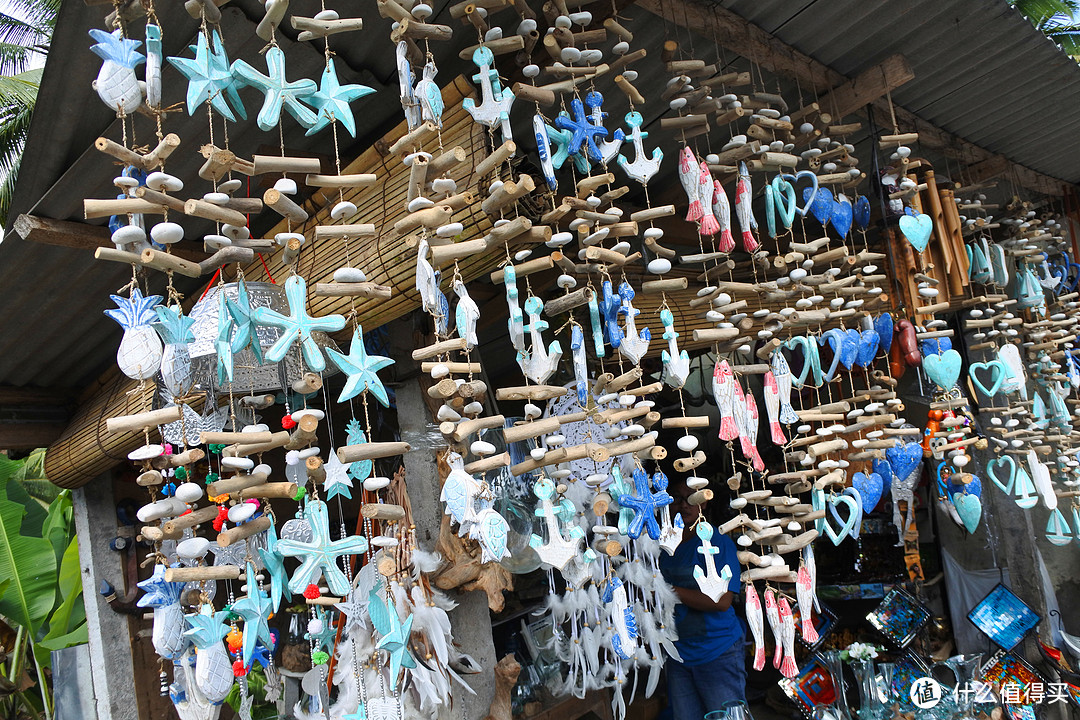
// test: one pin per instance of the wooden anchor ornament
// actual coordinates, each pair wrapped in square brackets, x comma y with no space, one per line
[495,101]
[714,584]
[644,166]
[538,363]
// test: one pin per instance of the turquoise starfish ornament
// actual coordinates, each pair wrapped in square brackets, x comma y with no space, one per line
[395,635]
[274,564]
[360,369]
[240,311]
[331,101]
[223,343]
[321,553]
[208,628]
[210,78]
[255,609]
[297,325]
[337,478]
[324,639]
[277,91]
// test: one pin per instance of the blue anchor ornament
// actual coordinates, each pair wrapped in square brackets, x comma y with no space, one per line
[320,554]
[644,166]
[360,369]
[712,583]
[395,635]
[608,148]
[278,93]
[495,101]
[297,326]
[255,610]
[632,344]
[562,140]
[410,104]
[581,371]
[557,550]
[583,132]
[676,362]
[644,503]
[210,78]
[538,363]
[543,149]
[331,101]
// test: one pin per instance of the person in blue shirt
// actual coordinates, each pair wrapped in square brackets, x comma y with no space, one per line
[713,668]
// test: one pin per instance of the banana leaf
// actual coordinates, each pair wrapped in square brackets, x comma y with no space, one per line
[28,562]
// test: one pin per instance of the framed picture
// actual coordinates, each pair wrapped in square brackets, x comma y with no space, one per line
[812,687]
[1003,617]
[899,617]
[1005,669]
[907,668]
[823,623]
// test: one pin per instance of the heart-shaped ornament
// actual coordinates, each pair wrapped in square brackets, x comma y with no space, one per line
[862,212]
[943,369]
[969,509]
[996,371]
[1006,464]
[784,200]
[973,487]
[917,230]
[842,214]
[883,324]
[849,348]
[821,203]
[868,346]
[837,536]
[870,487]
[903,458]
[808,194]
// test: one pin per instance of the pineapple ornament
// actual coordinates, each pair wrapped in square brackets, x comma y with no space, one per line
[213,671]
[175,330]
[140,352]
[116,83]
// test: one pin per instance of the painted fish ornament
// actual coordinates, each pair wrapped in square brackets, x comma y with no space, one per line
[738,409]
[709,224]
[804,594]
[782,373]
[757,624]
[743,199]
[465,315]
[140,351]
[810,563]
[623,622]
[153,65]
[581,370]
[722,210]
[724,393]
[116,83]
[749,437]
[491,530]
[772,614]
[787,635]
[772,409]
[689,177]
[409,102]
[543,149]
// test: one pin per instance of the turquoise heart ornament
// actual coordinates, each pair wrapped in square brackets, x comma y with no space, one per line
[917,230]
[1007,463]
[969,509]
[943,368]
[997,374]
[846,526]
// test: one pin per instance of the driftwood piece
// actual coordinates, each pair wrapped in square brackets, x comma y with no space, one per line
[506,675]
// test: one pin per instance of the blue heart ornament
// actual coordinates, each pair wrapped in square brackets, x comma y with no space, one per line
[883,325]
[862,212]
[842,214]
[969,510]
[871,487]
[821,203]
[868,346]
[903,458]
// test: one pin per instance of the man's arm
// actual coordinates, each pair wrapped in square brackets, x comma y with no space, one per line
[697,600]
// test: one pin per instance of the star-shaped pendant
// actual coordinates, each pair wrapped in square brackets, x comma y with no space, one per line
[337,478]
[255,609]
[324,639]
[240,311]
[223,342]
[353,610]
[331,101]
[297,325]
[159,592]
[277,91]
[395,635]
[208,628]
[275,569]
[321,553]
[210,78]
[354,435]
[360,369]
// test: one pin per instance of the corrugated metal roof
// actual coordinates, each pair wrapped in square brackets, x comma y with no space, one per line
[985,76]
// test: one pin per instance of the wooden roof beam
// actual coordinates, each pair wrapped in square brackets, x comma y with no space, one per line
[869,85]
[80,236]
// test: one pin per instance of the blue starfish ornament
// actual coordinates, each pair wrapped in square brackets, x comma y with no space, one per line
[331,101]
[274,564]
[360,369]
[583,131]
[562,140]
[223,342]
[240,311]
[644,502]
[354,435]
[255,609]
[263,653]
[321,553]
[277,91]
[297,325]
[395,634]
[210,78]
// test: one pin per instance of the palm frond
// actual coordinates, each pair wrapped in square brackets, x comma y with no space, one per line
[18,95]
[39,13]
[1040,11]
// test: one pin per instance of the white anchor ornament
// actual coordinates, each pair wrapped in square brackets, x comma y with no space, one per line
[643,166]
[557,550]
[676,362]
[712,583]
[540,362]
[495,102]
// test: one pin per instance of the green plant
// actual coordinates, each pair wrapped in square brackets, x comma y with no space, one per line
[41,602]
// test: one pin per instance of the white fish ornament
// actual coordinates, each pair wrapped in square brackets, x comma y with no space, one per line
[749,436]
[689,176]
[722,210]
[757,624]
[772,409]
[724,393]
[772,614]
[782,373]
[804,594]
[743,199]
